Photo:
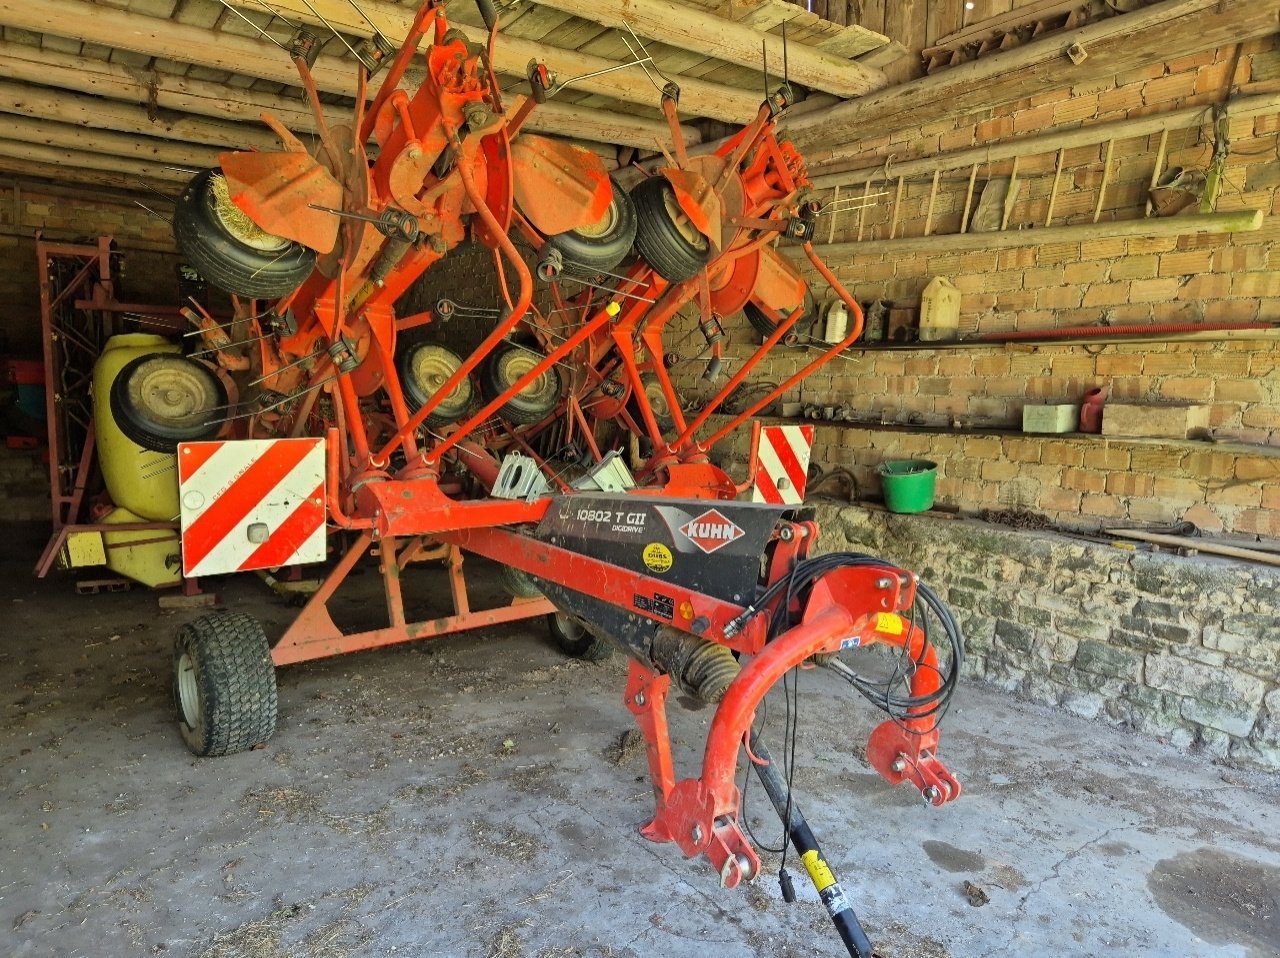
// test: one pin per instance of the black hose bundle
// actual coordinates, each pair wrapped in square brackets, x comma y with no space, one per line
[881,694]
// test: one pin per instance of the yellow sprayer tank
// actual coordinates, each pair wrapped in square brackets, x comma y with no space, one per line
[140,480]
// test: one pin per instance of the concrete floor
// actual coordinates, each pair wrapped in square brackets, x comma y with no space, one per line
[387,816]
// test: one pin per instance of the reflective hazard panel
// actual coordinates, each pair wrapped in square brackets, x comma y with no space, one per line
[251,504]
[784,465]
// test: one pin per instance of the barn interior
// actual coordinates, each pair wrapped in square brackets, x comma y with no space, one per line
[1007,323]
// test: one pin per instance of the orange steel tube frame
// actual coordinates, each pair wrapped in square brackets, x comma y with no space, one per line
[314,634]
[858,606]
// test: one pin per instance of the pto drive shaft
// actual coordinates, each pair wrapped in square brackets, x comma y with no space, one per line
[801,836]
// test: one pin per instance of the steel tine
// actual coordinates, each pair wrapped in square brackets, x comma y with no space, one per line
[333,30]
[254,25]
[276,13]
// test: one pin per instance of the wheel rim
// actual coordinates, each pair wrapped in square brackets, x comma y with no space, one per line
[431,367]
[172,393]
[603,226]
[542,392]
[684,226]
[570,628]
[236,222]
[188,691]
[657,399]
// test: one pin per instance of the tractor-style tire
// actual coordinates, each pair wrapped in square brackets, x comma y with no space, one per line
[601,245]
[228,250]
[224,684]
[162,399]
[424,368]
[573,639]
[675,250]
[765,325]
[507,364]
[657,401]
[518,583]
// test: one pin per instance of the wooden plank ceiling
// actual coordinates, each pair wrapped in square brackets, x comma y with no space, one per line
[156,87]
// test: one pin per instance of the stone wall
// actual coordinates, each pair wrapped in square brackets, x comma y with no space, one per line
[1184,649]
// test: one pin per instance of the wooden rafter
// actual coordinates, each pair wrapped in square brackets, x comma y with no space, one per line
[1171,29]
[201,47]
[688,28]
[512,56]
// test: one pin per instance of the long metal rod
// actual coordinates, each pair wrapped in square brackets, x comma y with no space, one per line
[806,845]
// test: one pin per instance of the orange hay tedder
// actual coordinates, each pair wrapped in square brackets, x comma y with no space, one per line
[320,417]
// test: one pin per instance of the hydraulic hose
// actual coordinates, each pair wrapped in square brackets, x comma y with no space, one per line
[806,845]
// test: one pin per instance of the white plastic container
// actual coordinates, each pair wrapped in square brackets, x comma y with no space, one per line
[939,310]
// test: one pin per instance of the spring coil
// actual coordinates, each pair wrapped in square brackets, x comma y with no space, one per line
[702,669]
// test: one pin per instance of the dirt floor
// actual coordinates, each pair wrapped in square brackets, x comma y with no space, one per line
[476,796]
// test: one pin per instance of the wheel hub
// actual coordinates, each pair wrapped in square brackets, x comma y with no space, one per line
[188,691]
[171,392]
[237,223]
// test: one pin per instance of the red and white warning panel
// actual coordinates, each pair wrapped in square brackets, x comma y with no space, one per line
[251,504]
[784,465]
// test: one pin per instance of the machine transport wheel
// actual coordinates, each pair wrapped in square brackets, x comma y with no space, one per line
[161,399]
[224,684]
[765,323]
[664,236]
[519,584]
[573,639]
[657,401]
[504,367]
[229,250]
[424,368]
[601,245]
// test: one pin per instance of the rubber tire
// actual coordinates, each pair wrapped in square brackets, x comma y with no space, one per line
[153,435]
[765,326]
[226,261]
[590,252]
[517,409]
[416,397]
[518,583]
[658,240]
[575,641]
[233,680]
[665,422]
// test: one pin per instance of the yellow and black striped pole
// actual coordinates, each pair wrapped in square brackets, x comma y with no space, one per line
[820,873]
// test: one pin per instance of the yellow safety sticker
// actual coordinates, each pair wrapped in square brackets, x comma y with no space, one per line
[888,623]
[818,871]
[657,557]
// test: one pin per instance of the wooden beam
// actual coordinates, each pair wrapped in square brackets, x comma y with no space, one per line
[512,56]
[1237,221]
[59,176]
[84,160]
[145,148]
[1250,106]
[679,25]
[1197,544]
[1005,21]
[95,113]
[1156,34]
[183,43]
[164,91]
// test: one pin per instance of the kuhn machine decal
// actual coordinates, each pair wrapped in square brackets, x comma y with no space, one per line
[711,531]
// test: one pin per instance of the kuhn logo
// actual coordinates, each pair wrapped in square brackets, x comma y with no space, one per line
[711,531]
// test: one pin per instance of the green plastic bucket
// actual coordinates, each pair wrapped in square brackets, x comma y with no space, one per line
[908,484]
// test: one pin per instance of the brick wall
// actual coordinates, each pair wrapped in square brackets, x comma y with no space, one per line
[147,271]
[1187,650]
[973,397]
[1164,279]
